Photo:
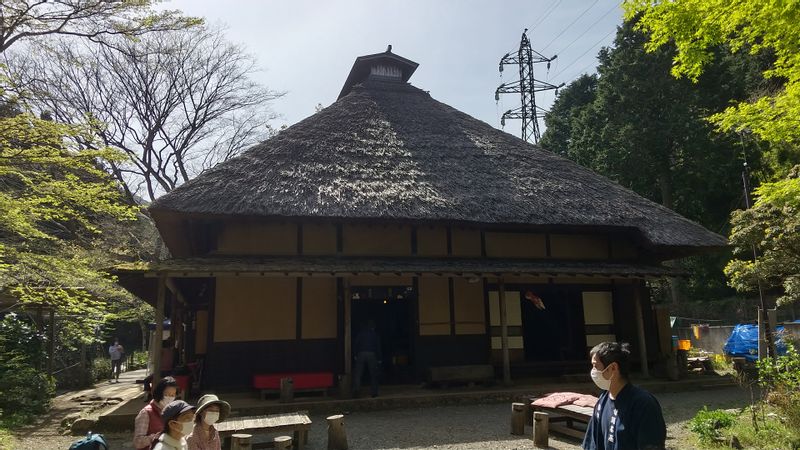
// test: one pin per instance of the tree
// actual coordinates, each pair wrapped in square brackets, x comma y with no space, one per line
[772,228]
[646,130]
[96,20]
[175,102]
[696,27]
[773,115]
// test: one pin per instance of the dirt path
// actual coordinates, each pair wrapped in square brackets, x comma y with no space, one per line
[465,427]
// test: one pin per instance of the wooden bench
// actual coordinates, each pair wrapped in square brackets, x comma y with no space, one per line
[302,382]
[443,375]
[298,423]
[569,420]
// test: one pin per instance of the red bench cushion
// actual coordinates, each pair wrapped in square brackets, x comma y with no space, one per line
[316,380]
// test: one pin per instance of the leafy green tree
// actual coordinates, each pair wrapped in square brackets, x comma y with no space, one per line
[95,20]
[647,130]
[695,27]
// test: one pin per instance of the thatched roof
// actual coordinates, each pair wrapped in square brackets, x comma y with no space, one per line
[389,151]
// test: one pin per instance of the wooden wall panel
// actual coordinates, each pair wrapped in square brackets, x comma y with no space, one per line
[319,239]
[200,332]
[516,245]
[434,306]
[376,240]
[431,241]
[319,308]
[466,242]
[258,238]
[470,313]
[578,246]
[255,309]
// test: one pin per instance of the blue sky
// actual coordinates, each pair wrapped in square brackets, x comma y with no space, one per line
[306,47]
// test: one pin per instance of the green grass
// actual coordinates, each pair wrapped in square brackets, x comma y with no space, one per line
[6,440]
[772,432]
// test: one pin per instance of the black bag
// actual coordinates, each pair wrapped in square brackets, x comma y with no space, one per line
[92,441]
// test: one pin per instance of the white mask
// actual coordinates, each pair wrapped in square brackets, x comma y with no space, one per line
[211,417]
[597,377]
[186,427]
[165,401]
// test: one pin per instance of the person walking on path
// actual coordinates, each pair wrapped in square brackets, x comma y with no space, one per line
[149,423]
[210,410]
[115,351]
[368,353]
[625,416]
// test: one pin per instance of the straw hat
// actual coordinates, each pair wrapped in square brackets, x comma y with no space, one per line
[211,399]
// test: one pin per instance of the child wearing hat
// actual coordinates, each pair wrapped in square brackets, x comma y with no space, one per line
[210,410]
[178,421]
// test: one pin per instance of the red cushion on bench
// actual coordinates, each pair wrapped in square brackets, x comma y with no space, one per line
[315,380]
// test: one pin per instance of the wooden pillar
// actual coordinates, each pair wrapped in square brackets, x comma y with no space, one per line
[337,437]
[518,418]
[283,442]
[541,429]
[159,333]
[51,344]
[348,351]
[637,300]
[242,442]
[501,288]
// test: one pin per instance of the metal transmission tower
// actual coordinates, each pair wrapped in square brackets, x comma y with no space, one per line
[527,86]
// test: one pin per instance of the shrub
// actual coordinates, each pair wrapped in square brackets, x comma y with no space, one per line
[101,369]
[139,360]
[707,424]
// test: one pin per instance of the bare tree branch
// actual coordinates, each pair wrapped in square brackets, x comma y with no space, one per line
[175,102]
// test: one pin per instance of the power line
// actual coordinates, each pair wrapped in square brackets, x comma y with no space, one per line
[590,27]
[584,53]
[570,24]
[546,14]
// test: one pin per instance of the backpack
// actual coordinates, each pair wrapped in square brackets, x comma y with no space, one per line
[92,441]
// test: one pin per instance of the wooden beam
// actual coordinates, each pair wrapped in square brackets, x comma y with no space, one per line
[501,288]
[159,333]
[637,296]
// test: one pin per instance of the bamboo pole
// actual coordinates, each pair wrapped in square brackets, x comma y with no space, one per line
[640,330]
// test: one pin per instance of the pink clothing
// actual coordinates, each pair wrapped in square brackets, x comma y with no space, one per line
[198,441]
[147,426]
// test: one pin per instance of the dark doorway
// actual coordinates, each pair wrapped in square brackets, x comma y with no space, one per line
[552,323]
[391,309]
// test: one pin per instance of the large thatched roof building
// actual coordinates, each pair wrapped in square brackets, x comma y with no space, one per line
[391,205]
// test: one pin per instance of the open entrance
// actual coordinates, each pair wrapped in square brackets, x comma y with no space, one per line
[391,309]
[552,323]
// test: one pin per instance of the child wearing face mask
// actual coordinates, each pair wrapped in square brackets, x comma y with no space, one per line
[178,419]
[210,410]
[148,423]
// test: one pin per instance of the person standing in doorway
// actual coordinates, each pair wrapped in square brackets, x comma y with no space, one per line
[115,351]
[625,416]
[367,349]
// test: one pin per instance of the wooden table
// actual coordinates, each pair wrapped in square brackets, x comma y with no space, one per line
[568,414]
[298,423]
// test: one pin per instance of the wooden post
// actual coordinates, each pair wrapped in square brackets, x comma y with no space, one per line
[283,442]
[241,442]
[348,352]
[637,300]
[518,418]
[504,331]
[51,344]
[158,338]
[287,390]
[337,437]
[541,429]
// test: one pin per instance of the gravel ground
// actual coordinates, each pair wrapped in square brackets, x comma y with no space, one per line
[472,427]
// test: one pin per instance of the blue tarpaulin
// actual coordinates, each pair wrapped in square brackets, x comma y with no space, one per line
[743,342]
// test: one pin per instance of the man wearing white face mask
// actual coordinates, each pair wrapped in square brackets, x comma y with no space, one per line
[625,416]
[210,410]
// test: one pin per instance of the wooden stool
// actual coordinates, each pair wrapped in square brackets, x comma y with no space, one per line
[518,418]
[283,443]
[541,429]
[241,442]
[337,437]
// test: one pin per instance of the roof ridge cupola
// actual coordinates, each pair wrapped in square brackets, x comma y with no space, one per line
[385,67]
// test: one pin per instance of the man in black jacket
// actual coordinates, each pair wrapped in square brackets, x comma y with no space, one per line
[367,348]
